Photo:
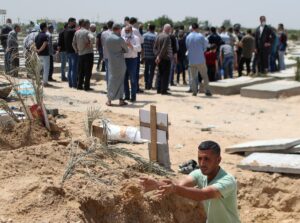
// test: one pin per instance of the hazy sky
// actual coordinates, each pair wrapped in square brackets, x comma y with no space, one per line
[216,11]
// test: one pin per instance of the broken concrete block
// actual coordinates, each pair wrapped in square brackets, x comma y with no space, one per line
[263,146]
[272,162]
[273,89]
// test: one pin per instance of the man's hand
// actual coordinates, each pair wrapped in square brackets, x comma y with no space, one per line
[167,188]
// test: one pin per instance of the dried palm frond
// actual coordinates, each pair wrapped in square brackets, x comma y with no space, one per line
[9,111]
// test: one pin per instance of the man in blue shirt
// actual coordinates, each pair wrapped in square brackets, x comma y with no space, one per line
[149,39]
[196,45]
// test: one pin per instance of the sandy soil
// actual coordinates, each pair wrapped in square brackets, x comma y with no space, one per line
[30,176]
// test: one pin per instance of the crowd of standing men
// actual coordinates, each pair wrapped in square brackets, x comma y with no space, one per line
[206,57]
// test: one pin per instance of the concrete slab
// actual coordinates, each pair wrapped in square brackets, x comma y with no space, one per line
[271,162]
[284,74]
[233,86]
[263,145]
[290,63]
[273,89]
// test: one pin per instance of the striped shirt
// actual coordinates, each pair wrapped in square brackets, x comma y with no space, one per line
[149,39]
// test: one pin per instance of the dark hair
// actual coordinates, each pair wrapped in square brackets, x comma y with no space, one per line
[152,27]
[66,25]
[132,20]
[81,22]
[249,31]
[213,46]
[110,24]
[210,145]
[43,25]
[86,21]
[213,29]
[222,28]
[230,29]
[50,26]
[126,18]
[195,26]
[105,27]
[15,26]
[71,19]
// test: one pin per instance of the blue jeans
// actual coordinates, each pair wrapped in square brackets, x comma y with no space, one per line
[63,60]
[73,67]
[228,67]
[45,61]
[131,64]
[149,72]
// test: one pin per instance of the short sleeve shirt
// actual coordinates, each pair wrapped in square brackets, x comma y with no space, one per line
[223,209]
[39,40]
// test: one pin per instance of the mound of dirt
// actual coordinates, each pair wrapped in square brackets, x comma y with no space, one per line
[32,190]
[269,194]
[23,134]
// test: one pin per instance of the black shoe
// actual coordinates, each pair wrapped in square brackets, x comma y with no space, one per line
[208,93]
[79,88]
[126,99]
[194,94]
[140,91]
[133,100]
[166,93]
[89,89]
[51,80]
[173,84]
[64,79]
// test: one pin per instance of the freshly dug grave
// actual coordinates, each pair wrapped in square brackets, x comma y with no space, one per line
[32,190]
[23,134]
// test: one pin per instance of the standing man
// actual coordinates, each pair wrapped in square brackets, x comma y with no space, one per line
[227,59]
[83,45]
[210,184]
[51,51]
[42,48]
[61,49]
[116,47]
[248,46]
[163,52]
[29,43]
[99,47]
[149,57]
[104,36]
[4,34]
[264,38]
[282,46]
[196,45]
[13,51]
[71,54]
[134,46]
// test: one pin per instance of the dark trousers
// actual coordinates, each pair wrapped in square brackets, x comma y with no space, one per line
[51,67]
[85,67]
[211,72]
[241,65]
[13,62]
[149,72]
[130,75]
[138,71]
[181,69]
[100,51]
[164,68]
[263,60]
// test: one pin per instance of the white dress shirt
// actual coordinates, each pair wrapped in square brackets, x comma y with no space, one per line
[135,42]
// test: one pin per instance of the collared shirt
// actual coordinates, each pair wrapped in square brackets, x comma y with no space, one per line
[196,45]
[226,50]
[135,42]
[104,36]
[224,209]
[149,40]
[12,40]
[225,37]
[136,32]
[83,42]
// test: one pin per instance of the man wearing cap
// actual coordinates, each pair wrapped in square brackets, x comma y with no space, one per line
[115,47]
